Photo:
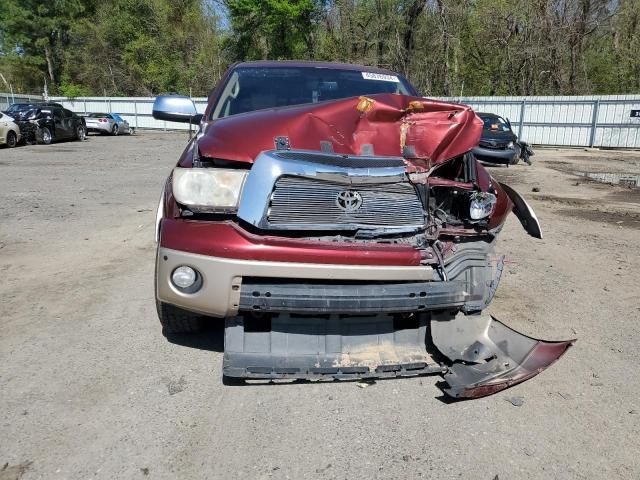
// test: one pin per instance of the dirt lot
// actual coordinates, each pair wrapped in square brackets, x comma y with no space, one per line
[89,388]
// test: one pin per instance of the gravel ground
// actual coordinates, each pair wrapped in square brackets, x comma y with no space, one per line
[89,388]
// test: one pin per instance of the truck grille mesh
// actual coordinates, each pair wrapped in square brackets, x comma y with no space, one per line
[298,201]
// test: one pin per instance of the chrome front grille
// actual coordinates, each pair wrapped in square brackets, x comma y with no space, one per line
[308,203]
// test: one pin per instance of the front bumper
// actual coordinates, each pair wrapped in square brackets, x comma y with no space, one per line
[490,155]
[231,285]
[222,278]
[27,130]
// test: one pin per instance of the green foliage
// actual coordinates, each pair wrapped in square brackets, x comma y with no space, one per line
[72,90]
[272,29]
[445,47]
[38,31]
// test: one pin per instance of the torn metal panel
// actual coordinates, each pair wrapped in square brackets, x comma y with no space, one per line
[524,212]
[487,355]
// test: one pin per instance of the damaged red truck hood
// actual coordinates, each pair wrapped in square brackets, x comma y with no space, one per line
[384,124]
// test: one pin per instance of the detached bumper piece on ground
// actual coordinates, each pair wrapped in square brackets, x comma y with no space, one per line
[488,356]
[476,355]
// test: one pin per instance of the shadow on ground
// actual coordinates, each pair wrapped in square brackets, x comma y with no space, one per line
[211,339]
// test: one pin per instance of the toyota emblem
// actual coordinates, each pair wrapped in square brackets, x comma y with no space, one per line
[349,200]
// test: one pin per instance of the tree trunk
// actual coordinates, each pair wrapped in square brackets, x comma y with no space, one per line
[446,84]
[47,55]
[411,19]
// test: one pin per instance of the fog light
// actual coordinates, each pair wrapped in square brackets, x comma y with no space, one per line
[184,277]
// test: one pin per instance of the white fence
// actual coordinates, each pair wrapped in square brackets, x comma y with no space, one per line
[589,121]
[609,121]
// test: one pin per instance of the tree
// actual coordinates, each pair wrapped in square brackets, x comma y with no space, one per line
[38,31]
[272,29]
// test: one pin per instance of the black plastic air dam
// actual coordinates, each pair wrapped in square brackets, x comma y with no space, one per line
[327,346]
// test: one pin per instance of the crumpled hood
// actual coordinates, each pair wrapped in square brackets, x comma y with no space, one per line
[386,124]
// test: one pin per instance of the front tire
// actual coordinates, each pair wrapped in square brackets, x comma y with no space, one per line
[176,320]
[12,139]
[114,130]
[44,136]
[81,133]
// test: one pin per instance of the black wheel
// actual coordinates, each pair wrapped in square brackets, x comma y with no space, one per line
[114,130]
[81,133]
[177,320]
[44,136]
[12,139]
[516,159]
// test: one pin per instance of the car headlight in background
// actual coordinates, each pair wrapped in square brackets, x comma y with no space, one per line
[481,204]
[208,189]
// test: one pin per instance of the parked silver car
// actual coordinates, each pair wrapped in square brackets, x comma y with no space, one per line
[110,123]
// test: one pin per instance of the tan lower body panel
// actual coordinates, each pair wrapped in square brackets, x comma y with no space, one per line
[219,295]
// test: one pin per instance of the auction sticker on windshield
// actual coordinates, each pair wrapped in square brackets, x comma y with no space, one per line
[380,76]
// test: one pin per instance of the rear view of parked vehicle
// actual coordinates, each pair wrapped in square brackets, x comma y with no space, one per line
[47,122]
[9,131]
[107,123]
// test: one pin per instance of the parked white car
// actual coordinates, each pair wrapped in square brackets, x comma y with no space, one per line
[9,131]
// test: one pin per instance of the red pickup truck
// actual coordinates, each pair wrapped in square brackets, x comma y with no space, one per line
[340,225]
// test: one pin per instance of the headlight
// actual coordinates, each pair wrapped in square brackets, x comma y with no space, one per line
[481,205]
[208,190]
[510,145]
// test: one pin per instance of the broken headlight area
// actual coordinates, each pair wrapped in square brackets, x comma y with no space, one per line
[455,207]
[481,205]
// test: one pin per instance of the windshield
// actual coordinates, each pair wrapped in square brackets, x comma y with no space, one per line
[495,124]
[24,113]
[17,107]
[250,89]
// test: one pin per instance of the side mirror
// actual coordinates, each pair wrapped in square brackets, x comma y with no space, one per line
[175,108]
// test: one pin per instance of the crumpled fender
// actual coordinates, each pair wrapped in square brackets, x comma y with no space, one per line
[487,356]
[523,211]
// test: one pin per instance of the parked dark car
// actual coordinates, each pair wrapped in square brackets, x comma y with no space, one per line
[337,225]
[47,122]
[498,143]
